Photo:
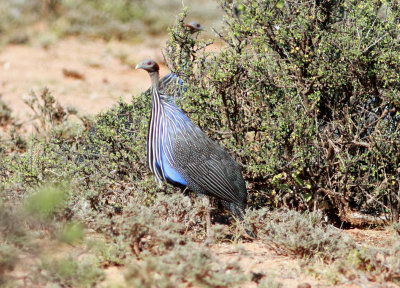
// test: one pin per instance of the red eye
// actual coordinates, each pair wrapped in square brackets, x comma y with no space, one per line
[197,25]
[148,63]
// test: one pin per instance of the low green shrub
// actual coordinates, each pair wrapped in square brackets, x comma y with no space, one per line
[71,272]
[302,235]
[305,96]
[185,266]
[306,236]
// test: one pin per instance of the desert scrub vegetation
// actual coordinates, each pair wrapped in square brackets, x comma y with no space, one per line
[120,19]
[305,94]
[308,237]
[70,183]
[98,18]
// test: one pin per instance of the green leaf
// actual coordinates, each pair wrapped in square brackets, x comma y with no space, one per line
[279,5]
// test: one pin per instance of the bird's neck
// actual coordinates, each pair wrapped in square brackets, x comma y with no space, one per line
[155,79]
[156,103]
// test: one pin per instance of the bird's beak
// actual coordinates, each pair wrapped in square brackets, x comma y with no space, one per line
[138,66]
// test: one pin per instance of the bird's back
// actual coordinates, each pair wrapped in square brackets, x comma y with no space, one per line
[205,166]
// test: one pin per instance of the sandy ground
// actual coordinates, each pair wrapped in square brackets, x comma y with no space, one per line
[253,257]
[105,67]
[107,74]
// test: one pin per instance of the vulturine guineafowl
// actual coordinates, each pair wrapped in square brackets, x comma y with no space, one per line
[181,154]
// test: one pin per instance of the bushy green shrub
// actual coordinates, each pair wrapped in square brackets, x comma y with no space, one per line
[185,266]
[120,19]
[5,114]
[302,235]
[305,95]
[71,272]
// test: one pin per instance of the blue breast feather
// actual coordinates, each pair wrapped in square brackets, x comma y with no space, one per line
[172,176]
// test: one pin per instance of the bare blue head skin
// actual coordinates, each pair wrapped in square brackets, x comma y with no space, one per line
[152,68]
[148,65]
[194,27]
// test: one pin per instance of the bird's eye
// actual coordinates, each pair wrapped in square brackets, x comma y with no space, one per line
[197,25]
[148,63]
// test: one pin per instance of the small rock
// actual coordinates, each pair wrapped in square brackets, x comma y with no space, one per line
[256,276]
[18,39]
[304,285]
[73,74]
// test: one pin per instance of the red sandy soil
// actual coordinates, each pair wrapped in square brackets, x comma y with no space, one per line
[106,68]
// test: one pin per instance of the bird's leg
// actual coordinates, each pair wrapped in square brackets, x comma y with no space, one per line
[206,202]
[184,190]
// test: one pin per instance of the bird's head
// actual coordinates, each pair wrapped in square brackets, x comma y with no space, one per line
[194,27]
[148,65]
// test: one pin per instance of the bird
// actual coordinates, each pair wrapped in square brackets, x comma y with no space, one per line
[194,27]
[181,154]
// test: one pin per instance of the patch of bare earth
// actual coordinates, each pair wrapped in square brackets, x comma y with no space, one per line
[260,261]
[255,258]
[377,238]
[89,75]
